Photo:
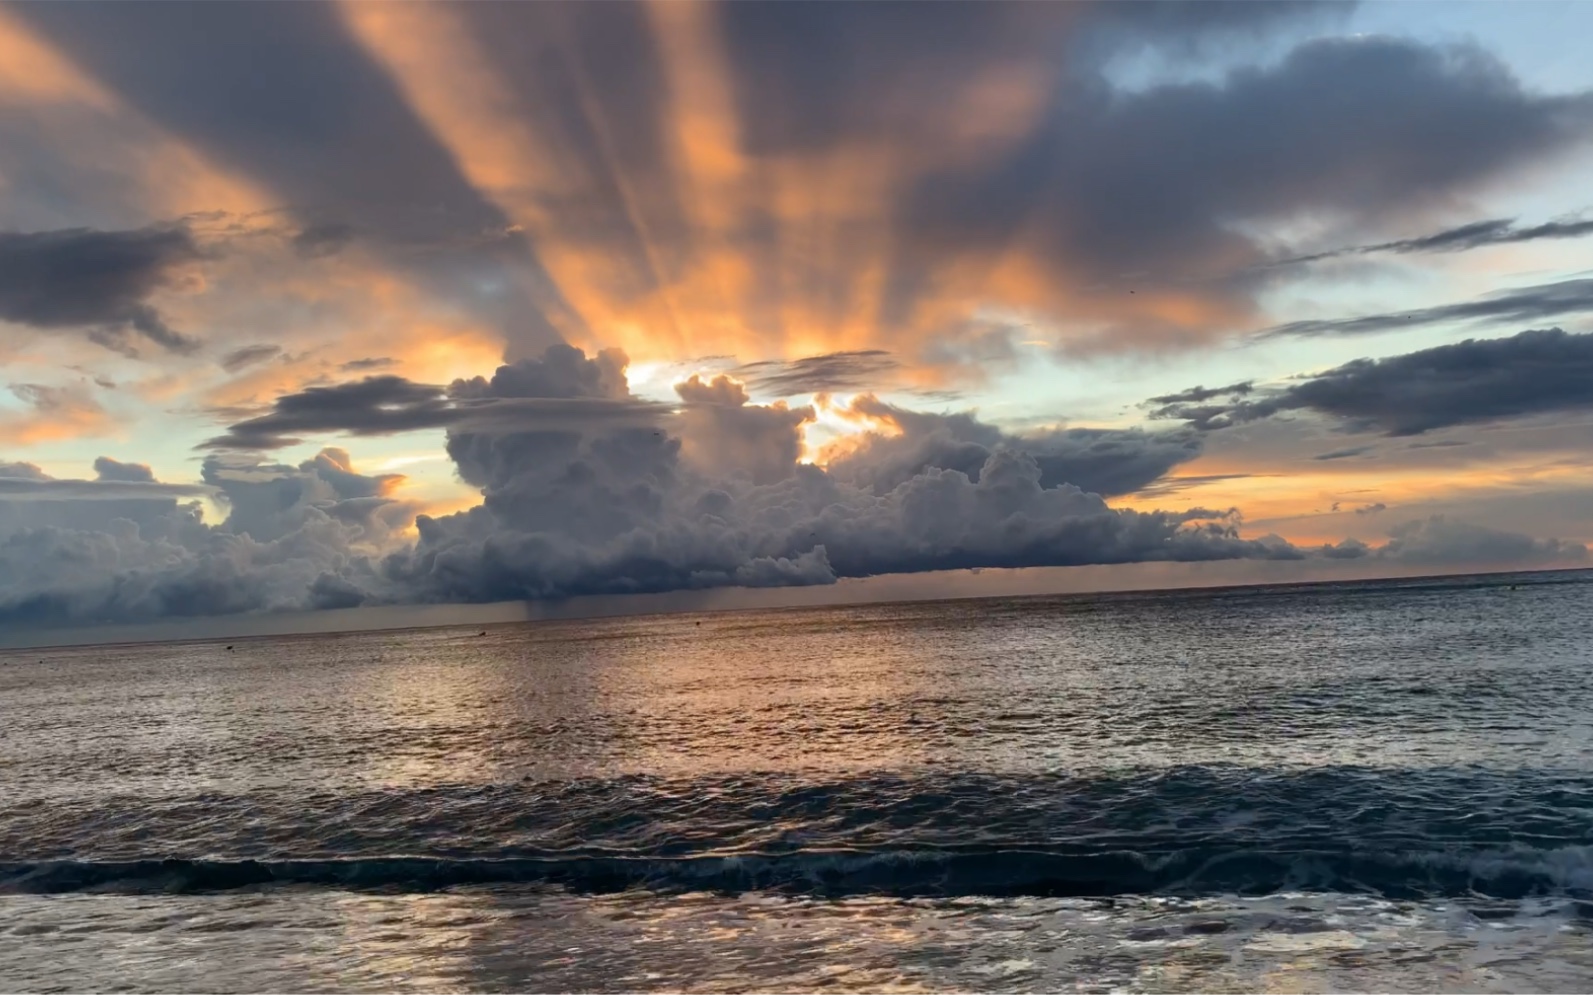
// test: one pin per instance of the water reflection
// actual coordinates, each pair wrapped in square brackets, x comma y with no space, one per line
[517,940]
[1436,678]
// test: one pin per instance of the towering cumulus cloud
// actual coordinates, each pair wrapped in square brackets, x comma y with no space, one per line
[715,495]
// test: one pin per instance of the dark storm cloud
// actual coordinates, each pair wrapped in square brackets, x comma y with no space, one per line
[96,281]
[373,406]
[247,356]
[1479,380]
[1528,304]
[282,94]
[1476,235]
[1371,509]
[836,372]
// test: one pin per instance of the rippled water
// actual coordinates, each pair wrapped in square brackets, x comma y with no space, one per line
[1359,786]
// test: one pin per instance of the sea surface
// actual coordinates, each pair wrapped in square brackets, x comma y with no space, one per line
[1365,786]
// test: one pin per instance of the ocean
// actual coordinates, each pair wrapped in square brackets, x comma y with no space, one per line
[1355,786]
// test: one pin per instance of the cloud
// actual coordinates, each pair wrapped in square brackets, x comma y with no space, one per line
[767,180]
[711,495]
[1173,485]
[370,363]
[1108,462]
[1349,453]
[56,411]
[320,241]
[1439,542]
[98,282]
[836,372]
[1371,509]
[108,469]
[32,499]
[248,355]
[274,93]
[294,537]
[373,406]
[611,509]
[103,489]
[1195,395]
[1461,238]
[724,434]
[21,471]
[269,501]
[517,397]
[1476,381]
[1528,304]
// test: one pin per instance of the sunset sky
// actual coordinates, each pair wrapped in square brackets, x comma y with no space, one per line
[313,306]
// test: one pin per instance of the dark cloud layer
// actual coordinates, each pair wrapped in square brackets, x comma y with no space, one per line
[98,282]
[1475,235]
[1528,304]
[1478,380]
[517,396]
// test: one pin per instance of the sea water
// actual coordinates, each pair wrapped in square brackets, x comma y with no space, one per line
[1368,786]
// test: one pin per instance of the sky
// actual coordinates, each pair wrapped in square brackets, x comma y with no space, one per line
[406,308]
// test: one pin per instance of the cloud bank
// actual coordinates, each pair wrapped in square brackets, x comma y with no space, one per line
[709,494]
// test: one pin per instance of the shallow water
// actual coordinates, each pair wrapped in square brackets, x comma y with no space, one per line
[1361,786]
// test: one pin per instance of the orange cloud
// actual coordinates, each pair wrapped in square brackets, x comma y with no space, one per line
[785,256]
[57,414]
[82,122]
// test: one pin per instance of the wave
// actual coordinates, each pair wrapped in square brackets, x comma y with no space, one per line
[1505,874]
